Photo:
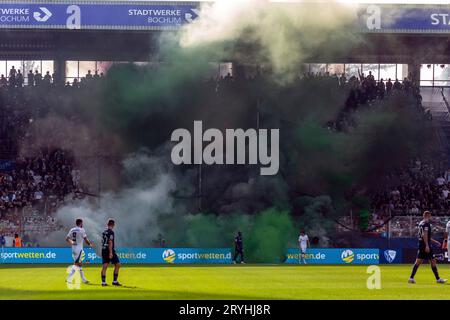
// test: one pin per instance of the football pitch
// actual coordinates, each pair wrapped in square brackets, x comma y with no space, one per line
[223,282]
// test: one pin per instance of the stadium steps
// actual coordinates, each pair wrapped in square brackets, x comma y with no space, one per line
[433,99]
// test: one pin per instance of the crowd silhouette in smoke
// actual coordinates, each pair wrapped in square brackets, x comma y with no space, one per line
[340,137]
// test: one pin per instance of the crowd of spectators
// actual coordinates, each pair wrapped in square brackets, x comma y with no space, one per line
[50,176]
[33,180]
[419,187]
[16,79]
[357,91]
[32,186]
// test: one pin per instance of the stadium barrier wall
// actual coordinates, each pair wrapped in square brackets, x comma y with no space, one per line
[335,256]
[126,255]
[339,256]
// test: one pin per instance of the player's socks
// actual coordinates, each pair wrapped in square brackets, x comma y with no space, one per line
[115,282]
[435,271]
[72,272]
[414,270]
[103,280]
[83,278]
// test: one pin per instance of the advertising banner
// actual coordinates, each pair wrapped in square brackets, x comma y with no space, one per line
[391,256]
[196,256]
[335,256]
[138,15]
[126,255]
[108,15]
[404,19]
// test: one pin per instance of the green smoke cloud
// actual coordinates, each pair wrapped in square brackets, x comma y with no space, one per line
[267,234]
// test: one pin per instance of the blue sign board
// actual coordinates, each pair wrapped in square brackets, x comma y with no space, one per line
[335,256]
[126,255]
[390,256]
[6,165]
[139,15]
[404,19]
[135,16]
[169,256]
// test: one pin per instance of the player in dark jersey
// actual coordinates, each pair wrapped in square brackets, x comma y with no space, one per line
[238,248]
[425,251]
[109,253]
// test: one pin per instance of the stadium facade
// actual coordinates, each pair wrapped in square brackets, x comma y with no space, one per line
[71,37]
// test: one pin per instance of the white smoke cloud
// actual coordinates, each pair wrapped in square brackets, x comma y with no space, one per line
[135,208]
[285,32]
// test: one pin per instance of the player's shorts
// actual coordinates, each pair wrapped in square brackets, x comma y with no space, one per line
[77,255]
[106,259]
[422,254]
[302,250]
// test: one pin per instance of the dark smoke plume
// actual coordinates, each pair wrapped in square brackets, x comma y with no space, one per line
[129,118]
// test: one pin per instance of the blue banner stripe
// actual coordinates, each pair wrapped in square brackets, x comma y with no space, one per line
[345,256]
[122,15]
[404,19]
[97,15]
[348,256]
[126,255]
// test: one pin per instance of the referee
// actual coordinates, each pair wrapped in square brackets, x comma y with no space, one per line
[425,251]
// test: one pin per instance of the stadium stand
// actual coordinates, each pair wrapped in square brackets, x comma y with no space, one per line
[39,184]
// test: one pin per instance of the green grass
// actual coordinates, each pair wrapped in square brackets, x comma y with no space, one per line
[224,282]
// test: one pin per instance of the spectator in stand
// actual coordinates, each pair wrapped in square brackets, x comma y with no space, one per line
[3,81]
[381,89]
[17,242]
[440,181]
[82,83]
[388,87]
[229,78]
[47,79]
[342,80]
[89,76]
[12,72]
[397,85]
[30,78]
[2,241]
[12,77]
[55,78]
[96,75]
[19,79]
[445,192]
[37,78]
[414,210]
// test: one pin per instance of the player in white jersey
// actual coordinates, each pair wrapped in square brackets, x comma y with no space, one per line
[446,239]
[76,237]
[303,242]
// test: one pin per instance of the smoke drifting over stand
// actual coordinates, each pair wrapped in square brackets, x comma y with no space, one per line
[137,108]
